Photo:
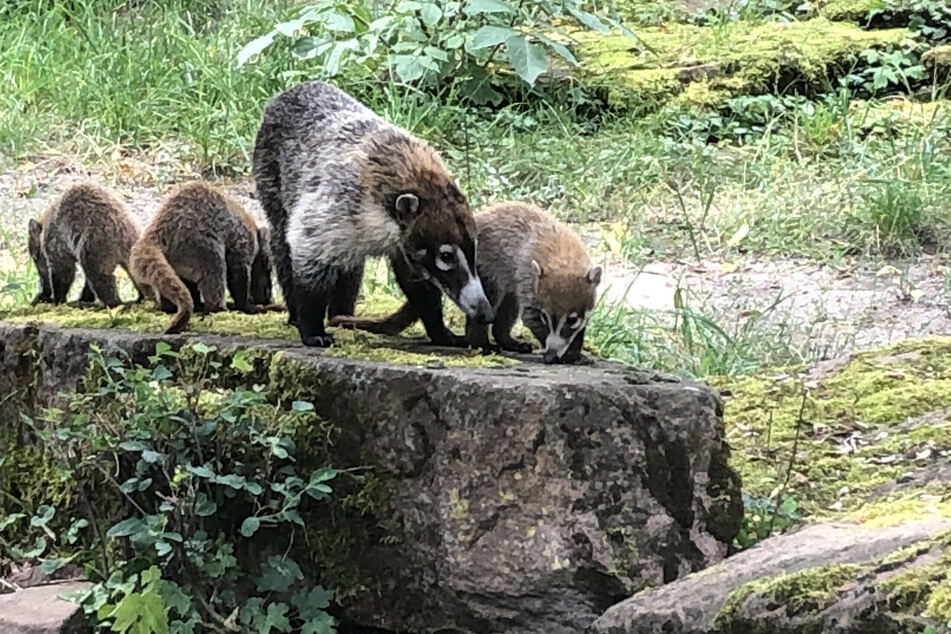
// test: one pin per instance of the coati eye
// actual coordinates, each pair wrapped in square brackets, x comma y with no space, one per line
[574,321]
[446,258]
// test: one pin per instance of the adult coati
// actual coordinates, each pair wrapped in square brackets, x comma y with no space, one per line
[531,265]
[86,224]
[339,184]
[198,243]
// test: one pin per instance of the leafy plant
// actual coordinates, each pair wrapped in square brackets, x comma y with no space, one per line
[761,517]
[430,43]
[198,474]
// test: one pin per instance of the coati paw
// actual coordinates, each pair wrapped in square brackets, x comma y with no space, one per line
[450,340]
[521,347]
[317,341]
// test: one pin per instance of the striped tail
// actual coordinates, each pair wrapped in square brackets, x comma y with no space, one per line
[392,325]
[149,265]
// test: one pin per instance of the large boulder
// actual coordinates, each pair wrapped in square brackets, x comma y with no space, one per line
[525,498]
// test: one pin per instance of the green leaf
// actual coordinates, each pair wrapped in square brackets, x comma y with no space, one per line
[10,519]
[474,7]
[203,349]
[527,58]
[39,547]
[430,13]
[201,472]
[311,604]
[174,597]
[250,526]
[559,48]
[278,574]
[72,534]
[151,456]
[140,613]
[233,480]
[204,507]
[490,35]
[302,406]
[160,373]
[127,527]
[320,624]
[43,515]
[240,361]
[253,488]
[589,20]
[454,42]
[408,67]
[250,49]
[322,475]
[49,566]
[276,618]
[133,445]
[339,23]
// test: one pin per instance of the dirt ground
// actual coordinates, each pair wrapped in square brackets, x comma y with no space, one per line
[827,310]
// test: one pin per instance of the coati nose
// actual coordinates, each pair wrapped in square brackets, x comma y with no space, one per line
[550,356]
[484,315]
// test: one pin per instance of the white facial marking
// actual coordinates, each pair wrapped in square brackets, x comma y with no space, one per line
[472,295]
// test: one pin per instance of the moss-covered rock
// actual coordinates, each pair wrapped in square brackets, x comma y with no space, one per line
[751,57]
[850,10]
[479,487]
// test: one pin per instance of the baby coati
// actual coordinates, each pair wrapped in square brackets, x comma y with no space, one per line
[339,184]
[531,265]
[86,224]
[198,243]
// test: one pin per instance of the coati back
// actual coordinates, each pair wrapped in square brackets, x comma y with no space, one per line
[86,224]
[198,243]
[339,184]
[531,265]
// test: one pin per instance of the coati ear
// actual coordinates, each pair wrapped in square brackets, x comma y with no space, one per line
[594,276]
[537,268]
[406,207]
[418,255]
[35,229]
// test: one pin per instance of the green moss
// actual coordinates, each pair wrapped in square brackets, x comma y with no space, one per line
[809,590]
[749,57]
[873,398]
[923,585]
[850,10]
[271,325]
[931,502]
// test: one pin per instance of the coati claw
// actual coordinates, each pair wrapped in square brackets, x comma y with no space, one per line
[317,341]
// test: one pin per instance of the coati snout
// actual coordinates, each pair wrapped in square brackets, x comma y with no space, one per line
[446,258]
[565,304]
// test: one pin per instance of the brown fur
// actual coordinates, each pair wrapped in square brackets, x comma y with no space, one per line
[511,236]
[199,243]
[88,225]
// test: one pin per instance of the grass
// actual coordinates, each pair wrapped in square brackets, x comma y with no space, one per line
[823,178]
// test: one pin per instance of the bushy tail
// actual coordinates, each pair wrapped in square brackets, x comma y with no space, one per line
[149,265]
[392,325]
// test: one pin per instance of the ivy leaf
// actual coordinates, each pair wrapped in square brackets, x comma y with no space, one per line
[203,506]
[276,618]
[203,349]
[475,7]
[430,13]
[311,604]
[10,519]
[160,373]
[72,534]
[49,566]
[527,58]
[151,456]
[278,574]
[201,472]
[320,624]
[140,613]
[133,445]
[239,361]
[490,35]
[250,526]
[232,480]
[43,515]
[408,67]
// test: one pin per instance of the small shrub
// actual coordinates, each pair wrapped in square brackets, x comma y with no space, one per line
[196,475]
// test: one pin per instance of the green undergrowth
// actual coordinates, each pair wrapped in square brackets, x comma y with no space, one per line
[882,414]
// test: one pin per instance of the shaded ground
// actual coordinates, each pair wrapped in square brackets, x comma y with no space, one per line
[825,309]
